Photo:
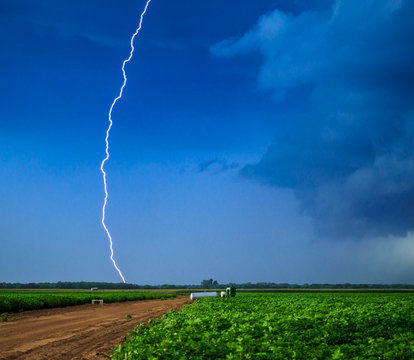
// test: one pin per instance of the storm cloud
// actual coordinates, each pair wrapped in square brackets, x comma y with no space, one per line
[219,164]
[348,149]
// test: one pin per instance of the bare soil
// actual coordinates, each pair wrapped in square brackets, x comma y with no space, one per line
[77,332]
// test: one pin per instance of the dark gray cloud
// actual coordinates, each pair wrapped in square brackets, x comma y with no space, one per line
[219,165]
[348,153]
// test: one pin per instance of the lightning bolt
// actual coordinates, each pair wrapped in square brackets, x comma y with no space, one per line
[107,142]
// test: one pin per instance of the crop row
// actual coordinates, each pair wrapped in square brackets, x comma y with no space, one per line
[13,301]
[280,326]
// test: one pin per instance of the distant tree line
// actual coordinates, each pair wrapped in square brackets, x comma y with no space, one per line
[266,285]
[205,284]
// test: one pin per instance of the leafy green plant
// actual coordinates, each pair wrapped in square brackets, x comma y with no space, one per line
[4,316]
[129,317]
[280,326]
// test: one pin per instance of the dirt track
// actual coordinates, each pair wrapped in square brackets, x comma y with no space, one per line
[77,332]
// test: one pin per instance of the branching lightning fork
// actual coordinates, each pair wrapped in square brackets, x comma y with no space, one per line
[107,137]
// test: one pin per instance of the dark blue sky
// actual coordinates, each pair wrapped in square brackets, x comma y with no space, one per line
[276,134]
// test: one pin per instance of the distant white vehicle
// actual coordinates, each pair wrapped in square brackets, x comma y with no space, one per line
[194,296]
[93,289]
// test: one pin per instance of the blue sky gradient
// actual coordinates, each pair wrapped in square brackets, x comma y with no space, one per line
[278,134]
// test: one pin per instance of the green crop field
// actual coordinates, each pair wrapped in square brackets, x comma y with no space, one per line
[12,301]
[280,326]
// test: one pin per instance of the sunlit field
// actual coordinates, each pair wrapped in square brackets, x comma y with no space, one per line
[281,326]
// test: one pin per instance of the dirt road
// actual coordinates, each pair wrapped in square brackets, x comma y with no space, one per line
[77,332]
